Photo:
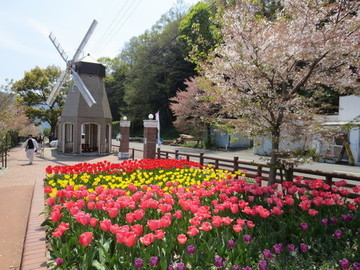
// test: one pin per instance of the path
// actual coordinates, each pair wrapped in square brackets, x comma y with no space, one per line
[22,240]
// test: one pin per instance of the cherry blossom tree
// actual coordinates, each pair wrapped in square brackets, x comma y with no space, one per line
[263,65]
[193,111]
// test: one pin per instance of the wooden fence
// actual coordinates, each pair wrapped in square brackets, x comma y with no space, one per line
[255,169]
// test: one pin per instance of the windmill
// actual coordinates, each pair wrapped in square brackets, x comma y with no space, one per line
[85,122]
[70,69]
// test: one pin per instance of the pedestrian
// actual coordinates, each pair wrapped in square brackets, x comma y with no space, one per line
[31,147]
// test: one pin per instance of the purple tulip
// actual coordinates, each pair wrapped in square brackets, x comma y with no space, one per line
[247,238]
[333,220]
[325,221]
[138,263]
[262,265]
[356,266]
[236,267]
[180,266]
[267,254]
[247,268]
[338,234]
[304,226]
[231,244]
[304,247]
[59,261]
[278,248]
[170,267]
[344,264]
[219,262]
[154,261]
[291,247]
[191,250]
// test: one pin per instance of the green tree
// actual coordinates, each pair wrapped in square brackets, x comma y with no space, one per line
[200,30]
[32,92]
[116,72]
[157,70]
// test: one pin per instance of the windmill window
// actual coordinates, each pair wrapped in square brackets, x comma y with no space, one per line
[90,76]
[74,88]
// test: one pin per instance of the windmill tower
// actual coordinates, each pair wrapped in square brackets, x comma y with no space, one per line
[85,122]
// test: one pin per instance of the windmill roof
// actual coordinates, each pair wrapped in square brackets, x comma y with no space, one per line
[89,59]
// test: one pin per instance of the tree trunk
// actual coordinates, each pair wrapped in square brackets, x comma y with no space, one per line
[274,162]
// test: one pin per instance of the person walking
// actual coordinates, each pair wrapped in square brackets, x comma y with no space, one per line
[31,147]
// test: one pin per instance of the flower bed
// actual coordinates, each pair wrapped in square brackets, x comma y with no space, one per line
[176,214]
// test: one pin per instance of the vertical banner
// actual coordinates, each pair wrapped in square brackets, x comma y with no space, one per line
[157,118]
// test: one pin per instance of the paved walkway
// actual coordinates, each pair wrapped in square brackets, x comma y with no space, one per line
[22,240]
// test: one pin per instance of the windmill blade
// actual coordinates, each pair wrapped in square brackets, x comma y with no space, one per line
[85,40]
[83,89]
[56,89]
[58,47]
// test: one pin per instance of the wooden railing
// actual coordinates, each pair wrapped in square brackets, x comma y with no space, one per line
[254,169]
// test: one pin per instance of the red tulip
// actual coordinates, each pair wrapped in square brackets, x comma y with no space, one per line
[86,238]
[182,238]
[105,225]
[205,226]
[55,216]
[147,239]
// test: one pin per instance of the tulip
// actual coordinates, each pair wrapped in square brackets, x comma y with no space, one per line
[304,247]
[304,226]
[154,261]
[138,264]
[247,238]
[267,254]
[86,238]
[338,234]
[191,250]
[231,244]
[219,262]
[262,265]
[182,238]
[356,266]
[180,266]
[344,264]
[59,261]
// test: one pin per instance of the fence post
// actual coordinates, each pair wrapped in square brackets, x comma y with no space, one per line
[133,153]
[176,154]
[236,164]
[328,180]
[216,163]
[201,160]
[259,171]
[158,153]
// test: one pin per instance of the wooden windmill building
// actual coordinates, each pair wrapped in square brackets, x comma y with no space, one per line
[85,124]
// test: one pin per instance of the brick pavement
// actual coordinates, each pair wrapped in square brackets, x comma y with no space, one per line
[23,244]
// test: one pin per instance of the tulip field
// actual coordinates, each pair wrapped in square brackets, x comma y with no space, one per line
[176,214]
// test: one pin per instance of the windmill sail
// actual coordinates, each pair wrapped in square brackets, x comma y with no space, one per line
[83,89]
[52,96]
[69,67]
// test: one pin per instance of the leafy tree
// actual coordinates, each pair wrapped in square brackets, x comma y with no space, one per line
[200,30]
[33,91]
[262,66]
[157,70]
[193,111]
[114,84]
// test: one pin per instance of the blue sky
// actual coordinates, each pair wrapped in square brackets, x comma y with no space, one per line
[26,25]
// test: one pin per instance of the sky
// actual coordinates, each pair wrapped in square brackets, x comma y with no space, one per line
[26,25]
